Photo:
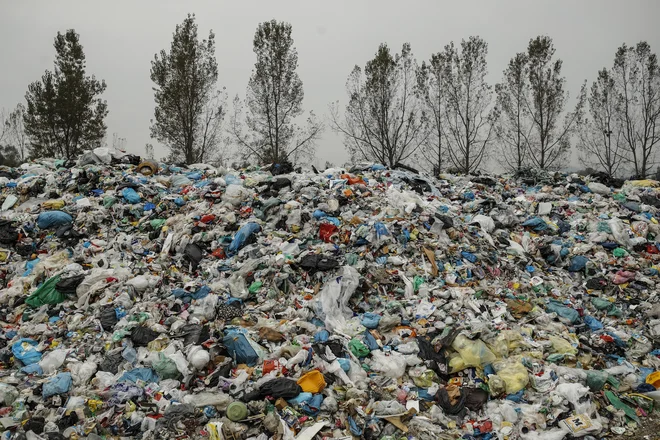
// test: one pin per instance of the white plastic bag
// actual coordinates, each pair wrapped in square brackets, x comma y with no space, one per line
[335,296]
[393,366]
[52,361]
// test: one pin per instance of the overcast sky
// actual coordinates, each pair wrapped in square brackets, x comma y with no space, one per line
[120,38]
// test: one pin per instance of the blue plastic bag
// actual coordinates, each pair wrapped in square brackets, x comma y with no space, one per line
[300,399]
[538,224]
[29,266]
[578,263]
[59,384]
[242,235]
[25,350]
[131,196]
[381,229]
[469,256]
[144,374]
[53,219]
[230,179]
[564,312]
[239,348]
[370,320]
[593,323]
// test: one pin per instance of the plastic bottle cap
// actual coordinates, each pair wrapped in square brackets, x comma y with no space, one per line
[236,411]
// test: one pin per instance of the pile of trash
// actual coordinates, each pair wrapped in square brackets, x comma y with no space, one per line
[155,301]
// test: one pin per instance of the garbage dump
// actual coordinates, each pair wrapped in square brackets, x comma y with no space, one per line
[154,301]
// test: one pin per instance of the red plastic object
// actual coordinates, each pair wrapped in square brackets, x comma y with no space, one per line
[326,230]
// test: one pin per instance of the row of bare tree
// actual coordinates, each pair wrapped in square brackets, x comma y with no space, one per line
[443,114]
[440,115]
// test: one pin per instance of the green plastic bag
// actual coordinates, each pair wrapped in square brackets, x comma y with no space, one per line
[358,348]
[620,252]
[157,223]
[166,368]
[108,201]
[46,294]
[254,287]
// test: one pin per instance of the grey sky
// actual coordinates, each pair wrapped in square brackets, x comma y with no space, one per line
[120,38]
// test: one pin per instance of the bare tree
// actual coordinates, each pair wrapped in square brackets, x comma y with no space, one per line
[513,127]
[468,112]
[637,85]
[274,102]
[383,120]
[432,86]
[601,136]
[547,100]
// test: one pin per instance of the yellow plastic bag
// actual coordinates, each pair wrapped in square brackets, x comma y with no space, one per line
[513,373]
[53,204]
[474,353]
[562,346]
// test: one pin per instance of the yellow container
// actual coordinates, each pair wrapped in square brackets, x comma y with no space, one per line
[312,382]
[654,379]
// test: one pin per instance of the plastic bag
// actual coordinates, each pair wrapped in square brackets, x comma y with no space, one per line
[52,361]
[8,394]
[144,374]
[239,348]
[513,373]
[46,294]
[474,353]
[242,235]
[393,366]
[562,346]
[335,296]
[82,372]
[131,196]
[53,219]
[59,384]
[165,368]
[25,350]
[236,194]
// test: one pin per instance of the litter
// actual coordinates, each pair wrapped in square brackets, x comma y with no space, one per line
[151,300]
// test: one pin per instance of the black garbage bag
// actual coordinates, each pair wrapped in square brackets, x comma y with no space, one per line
[282,387]
[111,363]
[190,334]
[35,424]
[316,262]
[447,221]
[475,398]
[436,361]
[193,254]
[285,167]
[279,183]
[108,318]
[141,336]
[70,284]
[445,402]
[8,233]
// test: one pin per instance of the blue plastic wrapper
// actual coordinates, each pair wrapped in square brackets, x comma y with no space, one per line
[469,256]
[242,235]
[131,196]
[578,263]
[370,320]
[239,348]
[144,374]
[58,384]
[564,312]
[536,223]
[25,350]
[381,229]
[593,323]
[53,219]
